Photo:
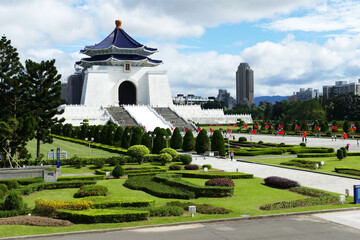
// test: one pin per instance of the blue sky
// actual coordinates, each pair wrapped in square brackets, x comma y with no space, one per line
[289,44]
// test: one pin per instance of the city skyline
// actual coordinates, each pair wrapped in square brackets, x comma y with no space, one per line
[289,44]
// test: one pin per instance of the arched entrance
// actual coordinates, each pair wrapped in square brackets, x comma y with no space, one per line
[127,93]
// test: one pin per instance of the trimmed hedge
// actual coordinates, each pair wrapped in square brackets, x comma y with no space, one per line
[79,178]
[313,150]
[52,185]
[210,175]
[317,197]
[109,202]
[279,182]
[91,190]
[302,163]
[49,208]
[257,152]
[353,153]
[103,216]
[175,167]
[158,189]
[206,191]
[93,144]
[23,181]
[348,170]
[200,208]
[315,155]
[13,213]
[192,167]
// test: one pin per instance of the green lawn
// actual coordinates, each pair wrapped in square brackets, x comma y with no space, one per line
[330,163]
[249,194]
[69,147]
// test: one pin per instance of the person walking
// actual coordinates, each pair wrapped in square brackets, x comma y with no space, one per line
[231,155]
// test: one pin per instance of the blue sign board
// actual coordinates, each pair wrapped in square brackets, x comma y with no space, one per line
[357,194]
[58,157]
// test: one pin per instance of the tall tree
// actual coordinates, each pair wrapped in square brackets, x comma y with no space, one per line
[45,96]
[14,102]
[176,139]
[202,142]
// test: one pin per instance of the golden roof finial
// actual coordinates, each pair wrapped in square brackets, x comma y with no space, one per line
[118,24]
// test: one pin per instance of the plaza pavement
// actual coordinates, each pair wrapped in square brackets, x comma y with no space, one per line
[309,179]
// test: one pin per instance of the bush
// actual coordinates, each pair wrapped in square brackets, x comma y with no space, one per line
[303,144]
[279,182]
[217,142]
[3,188]
[99,163]
[192,167]
[339,154]
[221,182]
[208,166]
[164,158]
[118,171]
[350,171]
[302,163]
[137,152]
[150,158]
[260,142]
[164,211]
[186,159]
[113,161]
[175,167]
[174,154]
[91,190]
[176,139]
[78,162]
[242,139]
[109,202]
[13,201]
[12,184]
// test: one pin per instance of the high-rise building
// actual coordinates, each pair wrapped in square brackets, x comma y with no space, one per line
[341,87]
[244,85]
[306,95]
[225,98]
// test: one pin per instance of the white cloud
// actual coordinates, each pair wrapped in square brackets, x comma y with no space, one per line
[334,16]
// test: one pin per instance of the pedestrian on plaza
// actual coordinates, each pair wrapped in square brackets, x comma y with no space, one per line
[232,155]
[357,142]
[335,138]
[332,138]
[251,139]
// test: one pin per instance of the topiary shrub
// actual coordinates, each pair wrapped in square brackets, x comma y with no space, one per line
[303,144]
[188,142]
[217,142]
[174,154]
[12,184]
[242,139]
[137,152]
[13,201]
[260,142]
[186,159]
[339,154]
[176,139]
[118,171]
[220,182]
[282,145]
[164,158]
[344,151]
[279,182]
[208,166]
[202,142]
[91,190]
[192,167]
[175,167]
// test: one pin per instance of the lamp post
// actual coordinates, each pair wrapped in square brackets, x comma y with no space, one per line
[166,139]
[90,140]
[152,136]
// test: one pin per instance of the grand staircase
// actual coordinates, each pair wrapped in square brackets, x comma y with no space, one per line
[174,119]
[122,117]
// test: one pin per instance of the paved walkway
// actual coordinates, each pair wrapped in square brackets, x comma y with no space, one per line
[315,180]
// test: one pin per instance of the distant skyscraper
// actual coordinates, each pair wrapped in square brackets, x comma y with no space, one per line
[244,85]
